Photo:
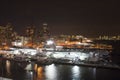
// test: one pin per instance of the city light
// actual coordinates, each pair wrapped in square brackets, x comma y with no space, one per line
[59,40]
[50,42]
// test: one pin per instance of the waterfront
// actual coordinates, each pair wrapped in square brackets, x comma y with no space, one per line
[59,40]
[16,71]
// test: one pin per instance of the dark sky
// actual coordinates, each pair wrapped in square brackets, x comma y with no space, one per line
[86,17]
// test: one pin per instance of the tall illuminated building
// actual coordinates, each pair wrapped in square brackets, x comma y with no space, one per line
[6,34]
[30,33]
[44,33]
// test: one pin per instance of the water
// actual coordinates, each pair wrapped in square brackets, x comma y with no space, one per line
[16,71]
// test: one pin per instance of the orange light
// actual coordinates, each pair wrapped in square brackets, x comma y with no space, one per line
[40,72]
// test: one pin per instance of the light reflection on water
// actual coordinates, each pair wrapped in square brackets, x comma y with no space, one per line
[51,72]
[76,73]
[40,73]
[29,75]
[54,72]
[48,72]
[8,65]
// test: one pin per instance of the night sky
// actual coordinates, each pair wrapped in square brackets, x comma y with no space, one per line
[89,18]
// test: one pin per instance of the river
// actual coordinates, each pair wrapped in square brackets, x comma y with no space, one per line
[16,71]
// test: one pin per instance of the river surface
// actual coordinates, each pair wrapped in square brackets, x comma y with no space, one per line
[16,71]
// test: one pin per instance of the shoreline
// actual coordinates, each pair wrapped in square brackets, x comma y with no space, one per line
[55,61]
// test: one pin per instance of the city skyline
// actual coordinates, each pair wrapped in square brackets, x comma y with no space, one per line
[87,18]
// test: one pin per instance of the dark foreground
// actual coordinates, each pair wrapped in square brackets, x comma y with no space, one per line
[16,71]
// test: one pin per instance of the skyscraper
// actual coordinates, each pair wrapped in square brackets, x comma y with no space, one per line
[44,33]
